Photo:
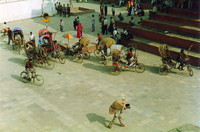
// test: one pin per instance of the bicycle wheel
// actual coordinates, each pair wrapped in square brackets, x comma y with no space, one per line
[190,71]
[78,58]
[38,80]
[86,55]
[163,69]
[49,65]
[97,53]
[139,67]
[23,76]
[116,70]
[62,58]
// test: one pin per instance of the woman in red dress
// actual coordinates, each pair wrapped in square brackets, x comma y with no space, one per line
[79,30]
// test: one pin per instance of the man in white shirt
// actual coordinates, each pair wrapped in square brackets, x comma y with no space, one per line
[32,37]
[105,26]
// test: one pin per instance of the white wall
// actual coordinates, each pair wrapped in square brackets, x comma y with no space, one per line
[10,11]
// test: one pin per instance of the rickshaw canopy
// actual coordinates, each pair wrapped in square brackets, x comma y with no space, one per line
[117,105]
[84,41]
[17,29]
[116,49]
[43,31]
[108,42]
[40,41]
[163,49]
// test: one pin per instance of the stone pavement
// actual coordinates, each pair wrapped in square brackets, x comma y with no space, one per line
[76,97]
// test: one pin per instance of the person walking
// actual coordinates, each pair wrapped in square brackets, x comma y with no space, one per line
[61,25]
[64,10]
[93,23]
[101,9]
[79,30]
[113,10]
[68,10]
[75,23]
[117,108]
[105,9]
[105,26]
[60,9]
[9,36]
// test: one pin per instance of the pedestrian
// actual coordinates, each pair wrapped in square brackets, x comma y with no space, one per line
[121,17]
[115,35]
[56,7]
[93,23]
[60,9]
[112,24]
[9,36]
[68,10]
[105,26]
[79,30]
[101,9]
[75,23]
[61,25]
[32,37]
[64,10]
[70,3]
[117,109]
[5,28]
[113,10]
[105,9]
[78,20]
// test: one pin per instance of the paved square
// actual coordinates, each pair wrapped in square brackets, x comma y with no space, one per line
[76,97]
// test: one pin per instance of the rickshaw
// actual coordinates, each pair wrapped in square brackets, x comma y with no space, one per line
[18,38]
[40,57]
[103,52]
[119,64]
[169,64]
[79,50]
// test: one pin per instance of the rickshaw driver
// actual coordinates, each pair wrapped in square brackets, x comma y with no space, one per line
[42,53]
[29,68]
[56,48]
[130,55]
[77,47]
[182,59]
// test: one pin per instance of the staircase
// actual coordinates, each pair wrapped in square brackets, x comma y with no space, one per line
[178,28]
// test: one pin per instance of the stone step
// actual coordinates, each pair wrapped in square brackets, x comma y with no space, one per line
[177,11]
[177,20]
[185,30]
[162,38]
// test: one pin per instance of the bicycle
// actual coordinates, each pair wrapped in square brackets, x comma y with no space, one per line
[36,78]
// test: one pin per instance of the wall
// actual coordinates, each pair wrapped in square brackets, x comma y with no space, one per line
[11,10]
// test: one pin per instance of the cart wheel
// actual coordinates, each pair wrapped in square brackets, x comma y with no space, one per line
[163,69]
[62,58]
[38,80]
[86,55]
[139,67]
[49,65]
[97,53]
[190,71]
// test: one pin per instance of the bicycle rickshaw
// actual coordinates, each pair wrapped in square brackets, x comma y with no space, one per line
[119,64]
[169,64]
[79,50]
[103,51]
[18,38]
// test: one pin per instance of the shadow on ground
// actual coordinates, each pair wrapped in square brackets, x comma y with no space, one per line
[101,68]
[17,61]
[152,69]
[92,117]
